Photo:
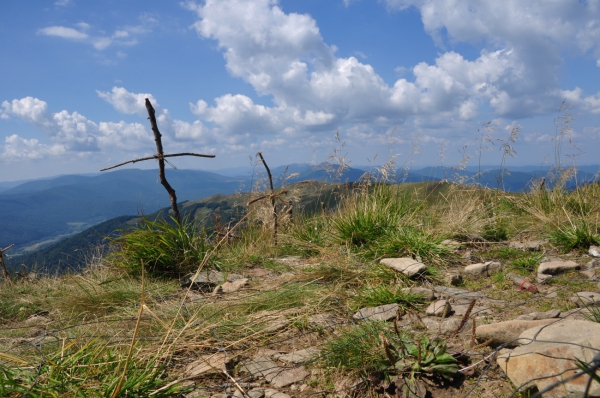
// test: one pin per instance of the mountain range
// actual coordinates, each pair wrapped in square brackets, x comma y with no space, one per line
[38,213]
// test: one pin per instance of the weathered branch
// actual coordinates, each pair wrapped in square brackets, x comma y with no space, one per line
[273,204]
[161,161]
[5,272]
[157,157]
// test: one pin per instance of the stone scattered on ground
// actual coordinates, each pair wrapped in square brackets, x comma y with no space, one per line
[507,332]
[483,269]
[381,313]
[583,299]
[455,293]
[557,267]
[594,263]
[210,364]
[439,308]
[535,316]
[453,279]
[593,274]
[270,393]
[230,287]
[207,279]
[299,356]
[286,376]
[547,356]
[444,326]
[405,265]
[594,251]
[428,294]
[543,278]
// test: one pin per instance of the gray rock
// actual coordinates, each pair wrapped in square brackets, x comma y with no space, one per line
[594,251]
[595,263]
[428,294]
[210,364]
[534,316]
[583,299]
[300,356]
[592,274]
[507,332]
[230,287]
[381,313]
[256,393]
[286,376]
[453,279]
[270,393]
[557,267]
[261,367]
[549,355]
[406,265]
[445,326]
[207,279]
[439,308]
[483,269]
[543,278]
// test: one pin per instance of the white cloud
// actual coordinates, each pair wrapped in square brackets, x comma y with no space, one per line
[124,36]
[64,32]
[17,148]
[126,102]
[284,56]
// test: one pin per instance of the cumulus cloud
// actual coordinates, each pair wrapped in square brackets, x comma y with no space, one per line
[283,55]
[70,132]
[126,102]
[17,148]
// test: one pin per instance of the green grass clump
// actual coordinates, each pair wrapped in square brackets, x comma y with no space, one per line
[165,248]
[379,295]
[579,235]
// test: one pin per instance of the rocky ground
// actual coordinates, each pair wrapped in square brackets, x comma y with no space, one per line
[513,332]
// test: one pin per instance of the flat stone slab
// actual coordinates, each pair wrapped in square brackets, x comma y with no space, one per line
[548,357]
[507,332]
[445,326]
[439,308]
[583,299]
[277,324]
[300,356]
[557,267]
[270,393]
[594,251]
[286,376]
[209,365]
[405,265]
[535,316]
[381,313]
[483,269]
[230,287]
[261,367]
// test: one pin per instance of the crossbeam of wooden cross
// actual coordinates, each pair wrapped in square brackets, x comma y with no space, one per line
[160,156]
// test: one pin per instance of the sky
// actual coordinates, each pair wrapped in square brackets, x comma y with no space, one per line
[416,82]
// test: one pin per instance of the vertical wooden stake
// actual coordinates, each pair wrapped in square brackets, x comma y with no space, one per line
[273,204]
[5,272]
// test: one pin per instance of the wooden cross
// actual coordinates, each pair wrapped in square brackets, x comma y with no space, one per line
[160,156]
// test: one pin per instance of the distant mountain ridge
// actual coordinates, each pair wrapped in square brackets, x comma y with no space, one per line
[35,214]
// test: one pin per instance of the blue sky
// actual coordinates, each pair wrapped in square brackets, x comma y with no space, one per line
[412,80]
